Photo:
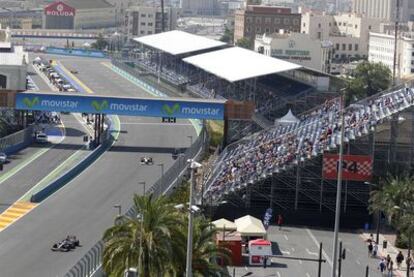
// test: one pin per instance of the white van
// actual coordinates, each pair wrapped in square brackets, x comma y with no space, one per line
[41,138]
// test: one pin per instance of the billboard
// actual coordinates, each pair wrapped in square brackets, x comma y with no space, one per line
[59,9]
[152,107]
[355,167]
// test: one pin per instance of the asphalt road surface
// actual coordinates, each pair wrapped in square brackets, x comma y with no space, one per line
[303,243]
[84,207]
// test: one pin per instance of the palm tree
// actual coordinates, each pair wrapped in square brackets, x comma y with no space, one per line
[205,250]
[123,242]
[395,198]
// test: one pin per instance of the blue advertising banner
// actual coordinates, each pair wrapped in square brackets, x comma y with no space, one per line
[267,217]
[165,107]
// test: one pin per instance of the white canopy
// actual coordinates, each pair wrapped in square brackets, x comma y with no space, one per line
[235,64]
[225,224]
[178,42]
[288,118]
[249,226]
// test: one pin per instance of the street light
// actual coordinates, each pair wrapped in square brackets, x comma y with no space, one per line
[119,207]
[162,173]
[189,273]
[140,235]
[339,186]
[379,214]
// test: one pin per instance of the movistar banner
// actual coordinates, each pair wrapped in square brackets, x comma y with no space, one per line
[121,106]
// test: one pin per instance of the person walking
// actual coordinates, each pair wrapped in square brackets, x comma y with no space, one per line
[382,266]
[390,268]
[399,259]
[388,260]
[375,249]
[279,221]
[370,248]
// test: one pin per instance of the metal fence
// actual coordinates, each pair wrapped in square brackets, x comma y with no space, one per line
[91,263]
[15,140]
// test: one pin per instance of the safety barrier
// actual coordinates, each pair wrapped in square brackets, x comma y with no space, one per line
[90,264]
[75,52]
[17,141]
[78,168]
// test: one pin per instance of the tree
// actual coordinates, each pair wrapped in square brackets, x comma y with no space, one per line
[100,43]
[368,79]
[395,198]
[160,228]
[227,36]
[245,43]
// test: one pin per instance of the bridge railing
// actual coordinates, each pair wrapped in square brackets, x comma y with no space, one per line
[90,264]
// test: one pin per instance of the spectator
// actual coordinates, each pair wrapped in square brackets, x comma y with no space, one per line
[370,248]
[375,249]
[390,268]
[399,259]
[382,266]
[279,221]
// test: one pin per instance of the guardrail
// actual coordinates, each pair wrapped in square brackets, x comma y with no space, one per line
[16,141]
[91,262]
[71,173]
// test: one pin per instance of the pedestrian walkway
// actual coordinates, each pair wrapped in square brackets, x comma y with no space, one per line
[390,250]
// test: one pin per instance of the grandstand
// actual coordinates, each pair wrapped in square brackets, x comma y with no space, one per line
[278,163]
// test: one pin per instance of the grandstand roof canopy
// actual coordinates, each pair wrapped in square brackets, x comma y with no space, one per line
[236,64]
[178,42]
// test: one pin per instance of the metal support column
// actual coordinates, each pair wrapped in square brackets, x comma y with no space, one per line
[272,191]
[297,185]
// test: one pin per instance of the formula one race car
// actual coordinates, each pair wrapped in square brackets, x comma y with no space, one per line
[147,160]
[69,243]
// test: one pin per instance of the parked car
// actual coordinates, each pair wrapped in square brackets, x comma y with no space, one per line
[3,158]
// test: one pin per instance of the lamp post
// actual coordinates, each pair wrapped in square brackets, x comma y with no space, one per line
[140,235]
[379,215]
[338,188]
[162,173]
[188,271]
[119,207]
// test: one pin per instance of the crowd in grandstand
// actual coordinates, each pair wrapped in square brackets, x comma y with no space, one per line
[46,117]
[319,130]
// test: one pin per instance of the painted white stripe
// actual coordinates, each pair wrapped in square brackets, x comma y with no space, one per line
[328,260]
[286,237]
[311,253]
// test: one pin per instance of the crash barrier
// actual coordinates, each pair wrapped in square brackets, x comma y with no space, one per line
[90,264]
[75,52]
[15,142]
[78,168]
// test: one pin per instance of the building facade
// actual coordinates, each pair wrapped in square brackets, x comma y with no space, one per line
[381,49]
[297,48]
[200,7]
[383,9]
[146,20]
[348,32]
[79,14]
[259,20]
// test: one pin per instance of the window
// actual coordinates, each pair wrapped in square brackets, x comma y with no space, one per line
[267,30]
[304,24]
[343,46]
[268,20]
[350,47]
[258,30]
[149,32]
[319,25]
[340,23]
[277,20]
[149,15]
[258,20]
[356,47]
[143,15]
[142,32]
[149,23]
[330,24]
[369,27]
[249,20]
[142,23]
[319,35]
[286,21]
[296,22]
[337,46]
[356,26]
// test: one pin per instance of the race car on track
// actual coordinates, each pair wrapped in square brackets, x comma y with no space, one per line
[147,160]
[69,243]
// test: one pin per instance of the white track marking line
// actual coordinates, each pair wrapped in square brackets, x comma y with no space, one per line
[328,260]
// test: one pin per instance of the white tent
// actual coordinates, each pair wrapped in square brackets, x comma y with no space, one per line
[225,224]
[37,59]
[287,118]
[249,226]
